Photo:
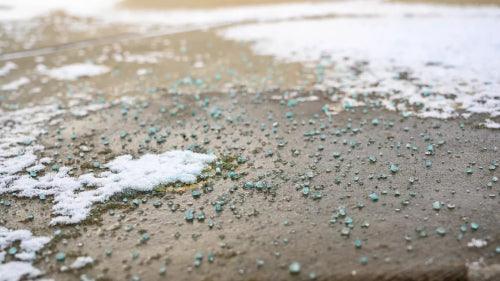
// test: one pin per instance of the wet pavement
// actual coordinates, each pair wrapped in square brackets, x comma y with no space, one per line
[304,188]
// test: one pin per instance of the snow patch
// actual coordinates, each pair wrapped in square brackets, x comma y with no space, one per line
[446,55]
[74,71]
[7,68]
[14,85]
[477,243]
[108,11]
[18,135]
[488,123]
[81,262]
[83,111]
[74,196]
[19,132]
[20,267]
[144,58]
[15,270]
[28,243]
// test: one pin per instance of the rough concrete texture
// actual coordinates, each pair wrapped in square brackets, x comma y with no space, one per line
[365,194]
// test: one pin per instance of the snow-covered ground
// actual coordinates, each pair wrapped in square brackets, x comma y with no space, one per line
[433,61]
[74,71]
[22,257]
[74,196]
[447,50]
[450,52]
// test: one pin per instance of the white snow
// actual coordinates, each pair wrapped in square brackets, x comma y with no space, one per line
[21,266]
[477,243]
[28,242]
[82,262]
[141,71]
[15,164]
[74,71]
[18,147]
[18,134]
[82,111]
[144,58]
[108,11]
[14,85]
[15,270]
[74,196]
[7,68]
[488,123]
[25,9]
[450,50]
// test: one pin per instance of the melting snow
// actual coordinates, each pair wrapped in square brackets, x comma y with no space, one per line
[74,71]
[14,85]
[477,243]
[74,196]
[450,51]
[81,262]
[15,270]
[108,11]
[21,266]
[19,132]
[83,111]
[18,135]
[488,123]
[4,70]
[145,58]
